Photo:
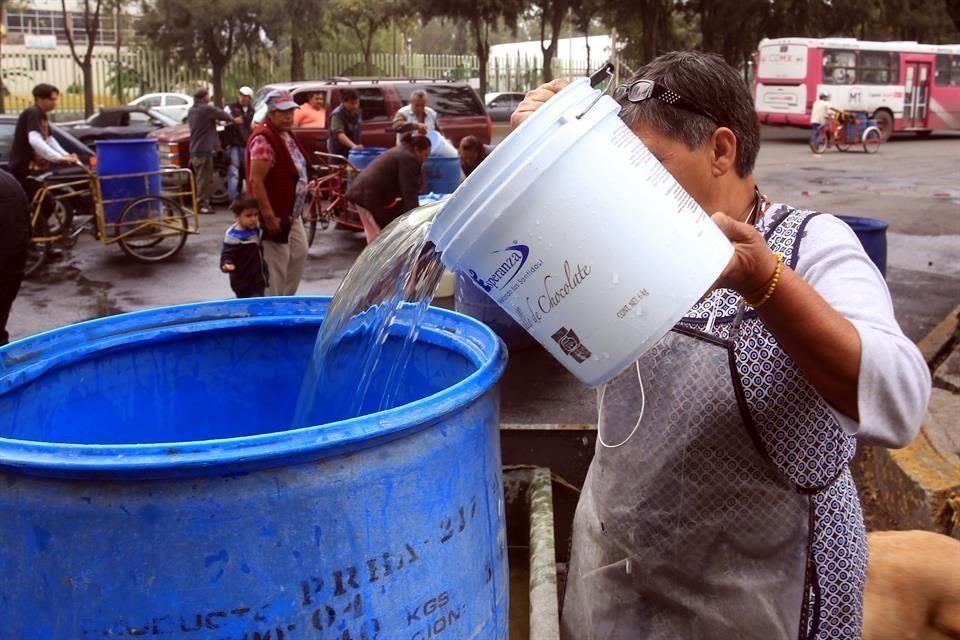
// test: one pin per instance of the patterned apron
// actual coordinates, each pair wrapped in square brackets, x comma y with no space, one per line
[695,521]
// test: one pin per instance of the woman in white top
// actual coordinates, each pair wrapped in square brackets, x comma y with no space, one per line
[719,503]
[416,113]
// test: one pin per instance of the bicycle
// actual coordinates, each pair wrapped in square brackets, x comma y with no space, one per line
[326,195]
[149,228]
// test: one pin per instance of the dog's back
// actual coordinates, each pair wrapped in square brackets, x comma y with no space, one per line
[913,587]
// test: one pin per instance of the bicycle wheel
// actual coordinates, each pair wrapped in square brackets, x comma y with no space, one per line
[152,229]
[37,253]
[872,139]
[843,145]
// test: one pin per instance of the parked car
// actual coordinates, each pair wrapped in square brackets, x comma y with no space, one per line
[460,109]
[500,106]
[174,105]
[8,125]
[119,123]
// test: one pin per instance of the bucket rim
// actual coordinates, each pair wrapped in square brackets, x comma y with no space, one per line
[62,346]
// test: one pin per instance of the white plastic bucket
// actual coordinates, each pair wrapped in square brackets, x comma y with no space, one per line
[578,232]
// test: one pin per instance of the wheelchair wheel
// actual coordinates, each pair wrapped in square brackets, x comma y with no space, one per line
[153,229]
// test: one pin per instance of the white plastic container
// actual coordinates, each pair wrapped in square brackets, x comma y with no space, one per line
[578,232]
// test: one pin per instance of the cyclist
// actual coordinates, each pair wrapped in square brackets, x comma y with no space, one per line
[820,115]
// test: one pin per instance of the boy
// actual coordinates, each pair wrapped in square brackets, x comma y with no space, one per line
[242,256]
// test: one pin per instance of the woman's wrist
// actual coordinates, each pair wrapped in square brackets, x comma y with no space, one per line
[757,280]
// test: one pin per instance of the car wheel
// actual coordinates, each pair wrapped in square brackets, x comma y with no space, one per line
[219,195]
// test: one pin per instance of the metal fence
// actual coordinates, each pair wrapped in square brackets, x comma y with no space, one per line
[136,72]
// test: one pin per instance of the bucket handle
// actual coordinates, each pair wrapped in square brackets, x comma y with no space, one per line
[603,73]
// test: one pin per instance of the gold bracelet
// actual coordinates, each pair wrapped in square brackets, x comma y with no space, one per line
[773,283]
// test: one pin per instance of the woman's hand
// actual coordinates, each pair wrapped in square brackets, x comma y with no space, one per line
[753,263]
[535,99]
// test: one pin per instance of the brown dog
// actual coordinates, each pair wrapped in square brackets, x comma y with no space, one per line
[913,587]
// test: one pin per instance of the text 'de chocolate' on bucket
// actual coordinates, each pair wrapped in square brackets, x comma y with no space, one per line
[150,486]
[578,232]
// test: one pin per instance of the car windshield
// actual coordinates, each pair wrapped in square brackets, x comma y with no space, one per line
[447,99]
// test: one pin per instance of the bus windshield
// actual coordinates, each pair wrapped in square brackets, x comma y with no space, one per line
[782,62]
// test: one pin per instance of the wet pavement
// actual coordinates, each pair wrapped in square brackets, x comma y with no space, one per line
[912,184]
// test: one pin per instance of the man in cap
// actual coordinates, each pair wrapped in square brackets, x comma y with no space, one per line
[277,178]
[235,137]
[819,113]
[204,144]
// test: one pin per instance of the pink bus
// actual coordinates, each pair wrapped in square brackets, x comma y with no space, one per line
[906,86]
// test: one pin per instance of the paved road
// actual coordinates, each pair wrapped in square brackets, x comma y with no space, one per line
[911,183]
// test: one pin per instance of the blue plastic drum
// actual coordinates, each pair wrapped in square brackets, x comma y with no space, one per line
[361,158]
[126,157]
[873,236]
[150,484]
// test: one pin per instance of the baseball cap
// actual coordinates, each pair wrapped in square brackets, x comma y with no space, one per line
[246,91]
[280,101]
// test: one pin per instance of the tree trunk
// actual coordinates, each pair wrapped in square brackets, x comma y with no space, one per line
[3,80]
[118,66]
[482,50]
[87,69]
[558,13]
[586,43]
[297,66]
[216,67]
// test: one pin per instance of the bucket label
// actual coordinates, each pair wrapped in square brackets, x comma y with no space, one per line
[569,341]
[514,257]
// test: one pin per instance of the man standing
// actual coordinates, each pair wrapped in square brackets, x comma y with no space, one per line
[204,143]
[416,113]
[277,178]
[34,149]
[313,114]
[236,136]
[345,124]
[14,240]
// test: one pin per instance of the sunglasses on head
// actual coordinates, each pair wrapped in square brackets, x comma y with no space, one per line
[642,90]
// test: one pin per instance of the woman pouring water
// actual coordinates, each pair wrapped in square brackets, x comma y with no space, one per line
[719,503]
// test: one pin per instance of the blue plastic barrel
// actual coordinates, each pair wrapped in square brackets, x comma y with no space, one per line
[149,485]
[360,158]
[873,236]
[442,171]
[124,157]
[471,300]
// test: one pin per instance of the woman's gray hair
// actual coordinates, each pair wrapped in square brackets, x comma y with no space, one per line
[708,81]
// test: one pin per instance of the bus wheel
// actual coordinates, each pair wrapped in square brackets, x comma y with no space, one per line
[924,134]
[884,123]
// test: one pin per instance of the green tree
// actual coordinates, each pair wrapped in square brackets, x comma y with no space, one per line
[364,19]
[297,24]
[552,15]
[482,16]
[209,33]
[91,28]
[953,10]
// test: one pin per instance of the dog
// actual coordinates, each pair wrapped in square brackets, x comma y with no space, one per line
[913,587]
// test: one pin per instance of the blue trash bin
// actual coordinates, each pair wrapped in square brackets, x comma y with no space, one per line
[124,157]
[150,484]
[872,234]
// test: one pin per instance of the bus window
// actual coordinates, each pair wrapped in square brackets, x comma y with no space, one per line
[942,73]
[955,72]
[874,67]
[839,67]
